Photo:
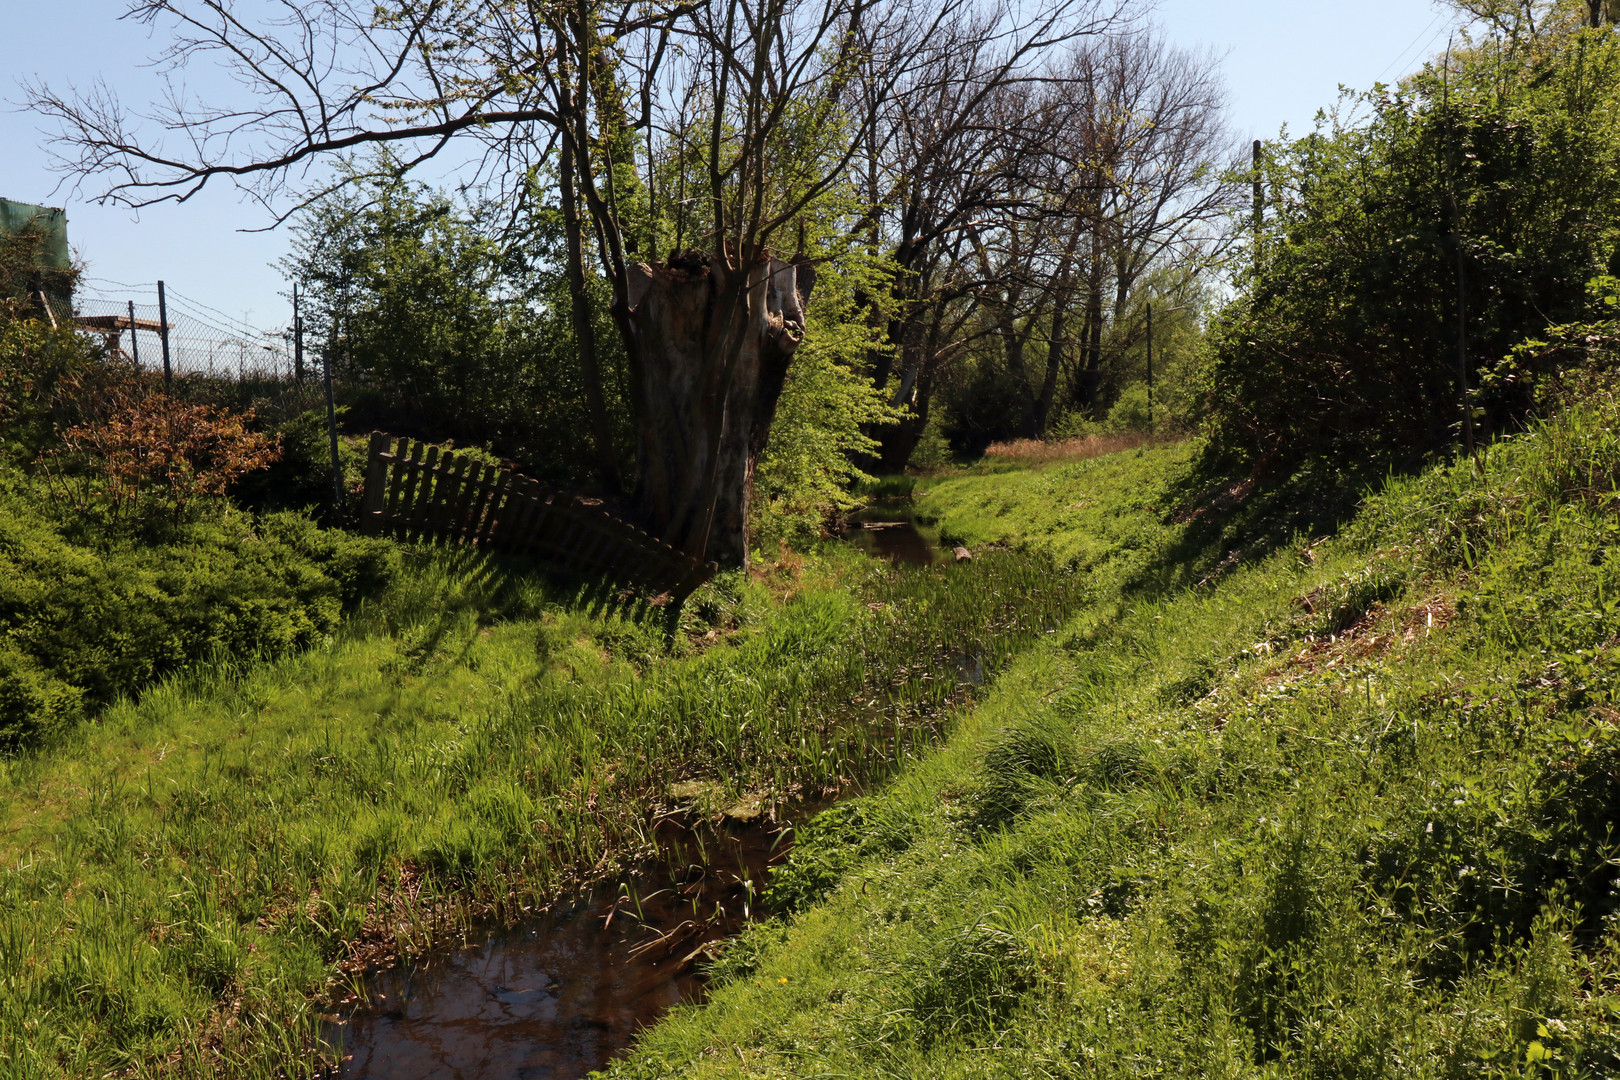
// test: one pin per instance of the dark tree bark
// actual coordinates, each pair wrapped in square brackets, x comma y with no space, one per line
[1088,382]
[714,344]
[1057,351]
[607,458]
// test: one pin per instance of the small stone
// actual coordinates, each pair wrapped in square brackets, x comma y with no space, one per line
[963,555]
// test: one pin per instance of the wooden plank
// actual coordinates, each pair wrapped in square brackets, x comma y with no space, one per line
[371,500]
[539,519]
[426,478]
[512,529]
[399,469]
[446,490]
[490,508]
[575,547]
[456,525]
[415,492]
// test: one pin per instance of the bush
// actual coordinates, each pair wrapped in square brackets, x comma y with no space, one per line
[81,626]
[1343,343]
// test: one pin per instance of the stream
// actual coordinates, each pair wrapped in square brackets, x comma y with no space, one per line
[886,529]
[561,994]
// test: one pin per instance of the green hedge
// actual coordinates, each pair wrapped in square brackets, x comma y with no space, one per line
[81,625]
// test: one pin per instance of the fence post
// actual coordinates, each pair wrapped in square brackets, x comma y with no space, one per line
[331,431]
[163,332]
[134,338]
[298,339]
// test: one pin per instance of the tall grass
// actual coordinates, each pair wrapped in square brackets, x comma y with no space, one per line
[184,882]
[1079,448]
[1347,810]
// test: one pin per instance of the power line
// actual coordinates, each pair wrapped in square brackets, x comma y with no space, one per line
[215,310]
[1401,58]
[144,287]
[233,330]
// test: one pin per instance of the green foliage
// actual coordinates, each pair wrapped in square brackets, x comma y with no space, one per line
[826,411]
[1345,810]
[444,333]
[46,377]
[301,477]
[1343,342]
[81,625]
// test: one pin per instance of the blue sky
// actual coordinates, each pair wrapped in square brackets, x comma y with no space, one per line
[1282,61]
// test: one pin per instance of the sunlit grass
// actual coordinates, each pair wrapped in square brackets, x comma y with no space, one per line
[184,880]
[1345,810]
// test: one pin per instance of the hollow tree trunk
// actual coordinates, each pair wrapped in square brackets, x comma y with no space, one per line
[711,350]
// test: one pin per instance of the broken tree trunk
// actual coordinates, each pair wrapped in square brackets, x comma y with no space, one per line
[711,345]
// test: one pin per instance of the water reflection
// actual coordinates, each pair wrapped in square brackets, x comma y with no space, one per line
[886,530]
[560,996]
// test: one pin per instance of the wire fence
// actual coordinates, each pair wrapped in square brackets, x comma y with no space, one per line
[203,341]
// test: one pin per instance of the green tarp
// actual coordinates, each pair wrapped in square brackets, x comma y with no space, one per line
[50,223]
[46,263]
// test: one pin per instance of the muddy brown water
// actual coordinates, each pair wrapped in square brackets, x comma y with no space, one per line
[562,994]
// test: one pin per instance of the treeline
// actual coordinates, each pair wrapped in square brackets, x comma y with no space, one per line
[987,258]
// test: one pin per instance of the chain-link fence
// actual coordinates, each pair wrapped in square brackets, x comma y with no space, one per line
[213,357]
[203,342]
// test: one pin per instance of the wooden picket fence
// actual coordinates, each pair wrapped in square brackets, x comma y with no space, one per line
[416,492]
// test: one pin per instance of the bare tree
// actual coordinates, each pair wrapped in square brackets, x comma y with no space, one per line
[1033,199]
[768,102]
[947,154]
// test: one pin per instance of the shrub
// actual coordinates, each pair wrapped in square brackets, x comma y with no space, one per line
[80,626]
[141,453]
[1343,343]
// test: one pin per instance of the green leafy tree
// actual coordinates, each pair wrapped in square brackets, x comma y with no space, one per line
[1344,341]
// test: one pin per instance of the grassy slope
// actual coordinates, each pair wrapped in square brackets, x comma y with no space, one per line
[181,881]
[1346,811]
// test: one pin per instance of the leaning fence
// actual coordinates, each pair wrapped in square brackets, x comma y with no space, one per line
[414,491]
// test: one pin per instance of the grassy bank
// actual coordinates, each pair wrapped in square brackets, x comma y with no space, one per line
[184,880]
[1340,809]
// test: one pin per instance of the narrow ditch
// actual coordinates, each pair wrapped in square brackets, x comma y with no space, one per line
[559,995]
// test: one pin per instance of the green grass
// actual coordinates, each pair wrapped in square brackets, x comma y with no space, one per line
[1103,516]
[185,881]
[1346,809]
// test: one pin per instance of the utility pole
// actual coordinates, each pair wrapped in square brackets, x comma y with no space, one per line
[1259,194]
[163,333]
[298,339]
[134,338]
[1462,286]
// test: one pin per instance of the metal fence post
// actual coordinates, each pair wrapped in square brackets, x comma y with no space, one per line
[134,338]
[163,332]
[298,339]
[331,430]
